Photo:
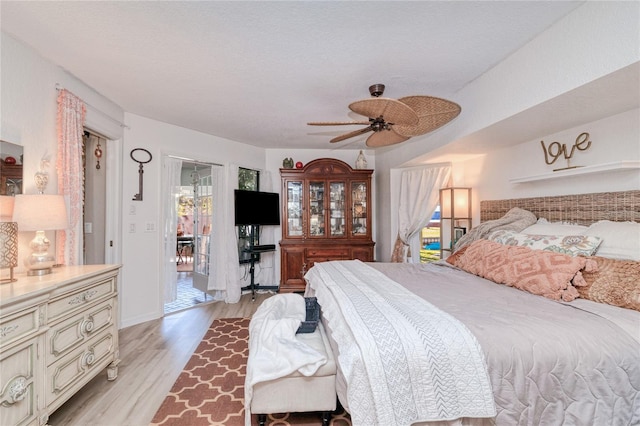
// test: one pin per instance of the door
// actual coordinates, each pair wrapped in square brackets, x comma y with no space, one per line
[202,220]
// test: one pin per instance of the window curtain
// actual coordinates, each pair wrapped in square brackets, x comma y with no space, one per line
[218,270]
[70,127]
[419,197]
[224,273]
[171,179]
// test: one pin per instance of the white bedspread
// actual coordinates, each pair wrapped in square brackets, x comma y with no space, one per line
[274,350]
[405,361]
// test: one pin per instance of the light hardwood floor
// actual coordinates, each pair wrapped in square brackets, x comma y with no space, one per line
[152,356]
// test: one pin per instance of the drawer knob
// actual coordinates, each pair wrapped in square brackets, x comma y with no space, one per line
[17,390]
[87,326]
[88,358]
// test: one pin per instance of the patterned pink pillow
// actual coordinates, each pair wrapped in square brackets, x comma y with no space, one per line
[540,272]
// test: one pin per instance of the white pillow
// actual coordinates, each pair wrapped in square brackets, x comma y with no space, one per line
[544,227]
[620,240]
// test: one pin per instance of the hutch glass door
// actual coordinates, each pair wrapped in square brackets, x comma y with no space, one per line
[358,208]
[316,209]
[294,208]
[336,209]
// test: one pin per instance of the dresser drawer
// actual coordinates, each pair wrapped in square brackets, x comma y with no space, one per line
[66,335]
[17,384]
[69,373]
[329,253]
[17,326]
[80,299]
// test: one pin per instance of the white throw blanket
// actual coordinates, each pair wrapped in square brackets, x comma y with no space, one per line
[274,350]
[404,360]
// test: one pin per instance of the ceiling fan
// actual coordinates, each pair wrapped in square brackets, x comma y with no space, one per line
[393,121]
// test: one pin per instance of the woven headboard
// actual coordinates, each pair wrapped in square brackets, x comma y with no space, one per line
[583,209]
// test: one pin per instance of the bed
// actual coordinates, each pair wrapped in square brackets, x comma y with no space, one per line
[434,344]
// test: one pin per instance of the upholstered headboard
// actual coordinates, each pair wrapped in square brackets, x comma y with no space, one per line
[582,209]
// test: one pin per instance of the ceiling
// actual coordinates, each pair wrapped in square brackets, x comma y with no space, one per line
[257,72]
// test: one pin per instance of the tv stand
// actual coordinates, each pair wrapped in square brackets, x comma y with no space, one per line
[254,251]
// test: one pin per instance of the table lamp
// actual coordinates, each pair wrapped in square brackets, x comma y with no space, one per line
[8,237]
[40,213]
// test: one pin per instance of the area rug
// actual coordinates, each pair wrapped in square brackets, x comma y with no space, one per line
[210,389]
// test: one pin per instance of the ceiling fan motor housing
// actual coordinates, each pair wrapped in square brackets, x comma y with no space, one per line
[376,90]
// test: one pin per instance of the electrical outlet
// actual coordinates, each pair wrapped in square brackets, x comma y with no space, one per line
[150,227]
[132,228]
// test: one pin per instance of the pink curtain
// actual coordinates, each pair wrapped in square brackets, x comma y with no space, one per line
[71,117]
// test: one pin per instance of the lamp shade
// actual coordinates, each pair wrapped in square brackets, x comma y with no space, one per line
[40,212]
[6,208]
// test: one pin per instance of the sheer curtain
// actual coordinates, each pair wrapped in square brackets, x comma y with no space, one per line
[172,169]
[419,193]
[224,272]
[70,127]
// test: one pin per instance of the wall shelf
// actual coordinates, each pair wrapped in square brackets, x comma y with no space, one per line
[586,170]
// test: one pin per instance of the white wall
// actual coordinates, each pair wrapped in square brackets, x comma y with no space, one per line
[614,139]
[28,109]
[593,41]
[141,295]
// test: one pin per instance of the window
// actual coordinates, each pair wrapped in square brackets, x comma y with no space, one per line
[248,180]
[430,239]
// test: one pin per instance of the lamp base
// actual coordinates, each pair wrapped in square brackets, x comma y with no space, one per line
[40,262]
[38,272]
[10,279]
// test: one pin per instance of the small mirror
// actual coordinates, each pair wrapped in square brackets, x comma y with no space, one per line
[10,168]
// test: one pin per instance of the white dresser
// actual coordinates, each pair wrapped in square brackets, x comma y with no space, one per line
[57,332]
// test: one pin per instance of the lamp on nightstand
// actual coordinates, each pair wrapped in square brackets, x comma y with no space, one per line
[40,213]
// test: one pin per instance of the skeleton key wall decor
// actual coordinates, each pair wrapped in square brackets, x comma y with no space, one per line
[138,196]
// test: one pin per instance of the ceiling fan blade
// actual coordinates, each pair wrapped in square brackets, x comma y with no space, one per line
[351,134]
[336,123]
[385,138]
[432,113]
[391,110]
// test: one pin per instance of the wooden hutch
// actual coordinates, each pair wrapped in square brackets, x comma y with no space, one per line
[326,212]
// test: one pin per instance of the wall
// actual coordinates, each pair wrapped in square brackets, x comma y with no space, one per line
[28,110]
[578,49]
[141,295]
[614,139]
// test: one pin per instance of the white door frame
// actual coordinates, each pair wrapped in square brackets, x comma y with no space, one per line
[113,217]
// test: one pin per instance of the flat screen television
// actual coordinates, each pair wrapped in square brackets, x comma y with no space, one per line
[257,208]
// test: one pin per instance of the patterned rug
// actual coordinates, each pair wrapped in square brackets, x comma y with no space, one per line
[210,389]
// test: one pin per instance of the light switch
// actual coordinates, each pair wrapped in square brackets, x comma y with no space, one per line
[88,228]
[132,228]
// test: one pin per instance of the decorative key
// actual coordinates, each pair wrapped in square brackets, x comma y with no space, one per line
[138,196]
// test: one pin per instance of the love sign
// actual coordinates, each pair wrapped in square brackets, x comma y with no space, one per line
[556,149]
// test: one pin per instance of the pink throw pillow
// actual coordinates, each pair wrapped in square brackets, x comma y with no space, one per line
[544,273]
